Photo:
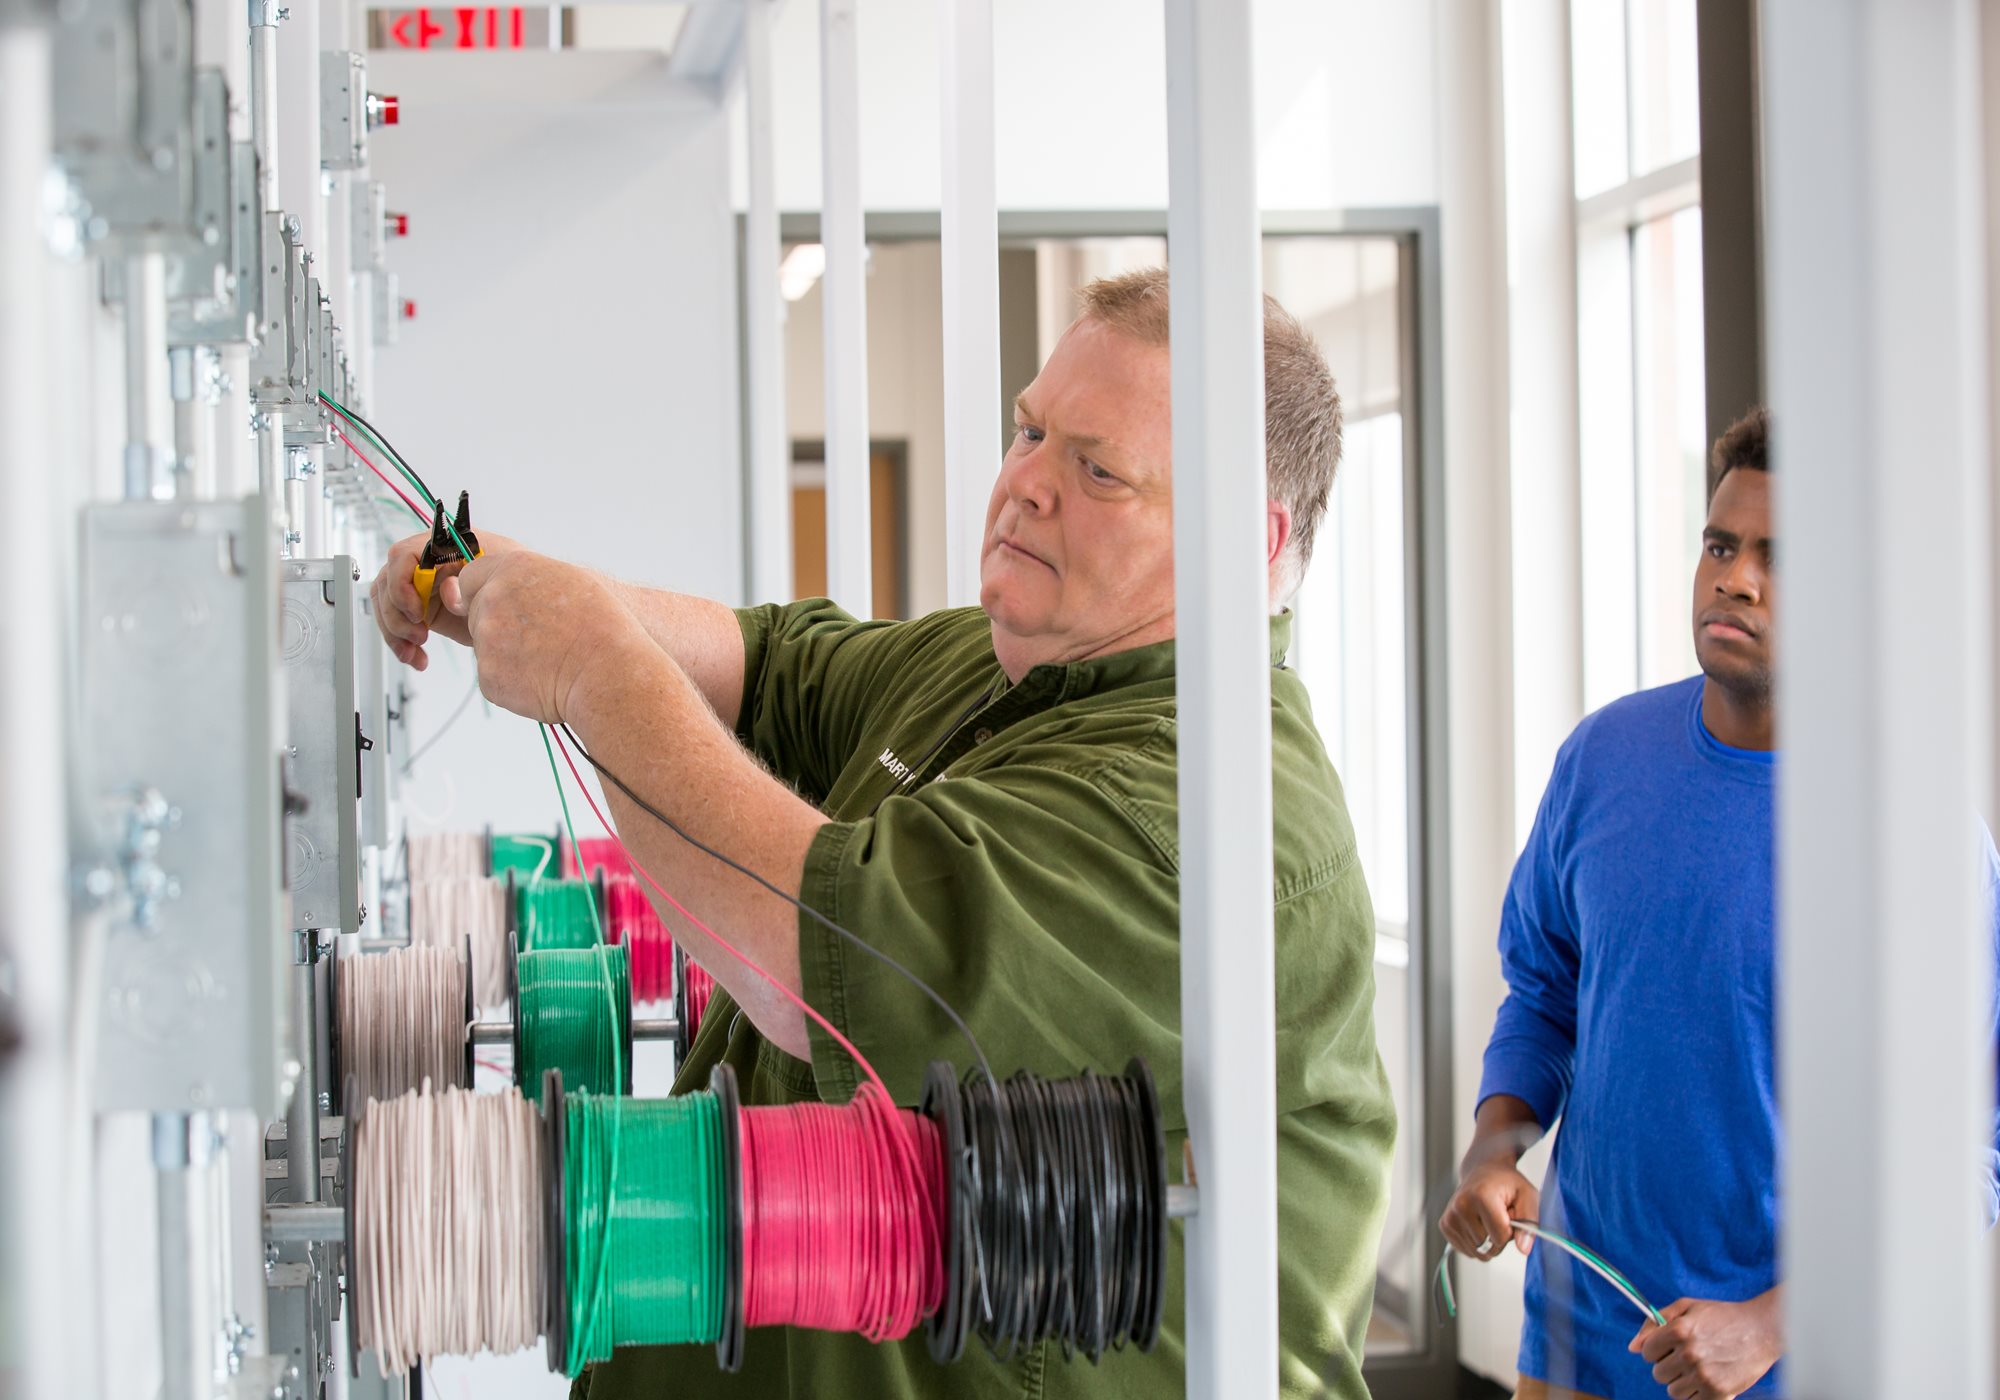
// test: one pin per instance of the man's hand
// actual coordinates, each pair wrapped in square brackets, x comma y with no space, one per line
[1491,1196]
[539,628]
[399,614]
[1713,1351]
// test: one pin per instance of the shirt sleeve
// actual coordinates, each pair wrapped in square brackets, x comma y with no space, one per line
[808,671]
[1028,897]
[1531,1054]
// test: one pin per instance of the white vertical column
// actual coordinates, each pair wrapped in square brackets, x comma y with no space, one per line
[849,554]
[1228,989]
[764,329]
[46,1283]
[298,124]
[1542,406]
[1873,200]
[970,259]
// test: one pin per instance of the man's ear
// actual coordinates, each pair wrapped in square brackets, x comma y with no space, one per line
[1277,530]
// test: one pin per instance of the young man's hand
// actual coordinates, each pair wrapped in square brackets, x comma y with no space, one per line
[1480,1219]
[1713,1351]
[1492,1193]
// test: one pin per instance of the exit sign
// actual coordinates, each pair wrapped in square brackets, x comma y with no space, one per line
[486,27]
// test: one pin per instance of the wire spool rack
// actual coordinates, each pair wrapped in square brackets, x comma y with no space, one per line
[406,1015]
[1025,1211]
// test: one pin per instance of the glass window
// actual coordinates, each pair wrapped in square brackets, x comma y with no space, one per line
[1672,438]
[1597,86]
[1664,104]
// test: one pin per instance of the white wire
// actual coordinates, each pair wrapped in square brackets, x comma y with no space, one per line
[448,1243]
[446,910]
[446,853]
[402,1020]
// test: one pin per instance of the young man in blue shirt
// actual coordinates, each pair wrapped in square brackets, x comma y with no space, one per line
[1638,941]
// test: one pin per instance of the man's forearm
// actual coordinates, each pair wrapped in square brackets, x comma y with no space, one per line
[1504,1130]
[701,635]
[641,714]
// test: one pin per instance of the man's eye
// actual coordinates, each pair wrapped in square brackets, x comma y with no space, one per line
[1028,431]
[1096,472]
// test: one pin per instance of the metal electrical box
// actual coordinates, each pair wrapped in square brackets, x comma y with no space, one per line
[322,841]
[182,804]
[378,762]
[343,111]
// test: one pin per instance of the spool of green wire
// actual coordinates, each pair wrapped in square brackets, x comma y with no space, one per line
[566,1021]
[555,913]
[644,1223]
[527,856]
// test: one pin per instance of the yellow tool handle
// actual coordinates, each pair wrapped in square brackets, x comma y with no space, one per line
[425,581]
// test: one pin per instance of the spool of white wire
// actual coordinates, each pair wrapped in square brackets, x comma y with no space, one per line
[402,1020]
[447,1233]
[443,854]
[445,911]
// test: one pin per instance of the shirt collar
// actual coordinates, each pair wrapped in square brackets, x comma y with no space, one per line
[1074,679]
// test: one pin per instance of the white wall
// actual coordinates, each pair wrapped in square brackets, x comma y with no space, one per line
[574,360]
[1345,93]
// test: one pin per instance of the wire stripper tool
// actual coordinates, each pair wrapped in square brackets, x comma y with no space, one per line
[443,548]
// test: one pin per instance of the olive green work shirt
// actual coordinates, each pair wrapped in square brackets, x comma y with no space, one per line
[1016,847]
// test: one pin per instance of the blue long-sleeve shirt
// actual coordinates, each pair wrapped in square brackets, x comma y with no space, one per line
[1639,945]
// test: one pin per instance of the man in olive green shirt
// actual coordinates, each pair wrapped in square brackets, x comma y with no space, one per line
[989,797]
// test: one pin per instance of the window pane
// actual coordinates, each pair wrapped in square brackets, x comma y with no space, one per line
[1672,438]
[1665,117]
[1597,86]
[1350,646]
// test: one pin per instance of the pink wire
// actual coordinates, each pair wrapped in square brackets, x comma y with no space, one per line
[636,924]
[700,986]
[730,948]
[414,509]
[835,1235]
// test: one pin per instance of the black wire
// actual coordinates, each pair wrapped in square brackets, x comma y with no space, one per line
[381,437]
[670,824]
[1070,1226]
[425,747]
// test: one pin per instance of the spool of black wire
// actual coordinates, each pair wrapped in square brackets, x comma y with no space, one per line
[1058,1223]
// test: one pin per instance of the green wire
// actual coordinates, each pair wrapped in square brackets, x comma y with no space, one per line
[569,1023]
[553,914]
[568,825]
[1595,1261]
[655,1243]
[396,461]
[525,855]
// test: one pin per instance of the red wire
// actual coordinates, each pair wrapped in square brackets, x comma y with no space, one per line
[414,509]
[696,994]
[835,1235]
[598,854]
[650,948]
[730,948]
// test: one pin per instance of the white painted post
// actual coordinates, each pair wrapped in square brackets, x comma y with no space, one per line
[764,334]
[46,1278]
[849,555]
[298,126]
[970,259]
[1873,203]
[1228,1022]
[1543,417]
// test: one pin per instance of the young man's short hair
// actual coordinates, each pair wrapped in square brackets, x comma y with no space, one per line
[1746,443]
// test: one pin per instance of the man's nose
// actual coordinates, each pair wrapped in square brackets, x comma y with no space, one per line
[1028,479]
[1744,578]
